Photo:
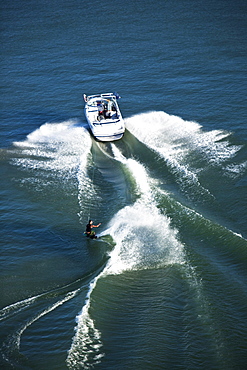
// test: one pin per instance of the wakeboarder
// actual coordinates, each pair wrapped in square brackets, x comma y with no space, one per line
[89,232]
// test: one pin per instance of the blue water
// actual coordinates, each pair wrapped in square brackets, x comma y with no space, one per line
[164,286]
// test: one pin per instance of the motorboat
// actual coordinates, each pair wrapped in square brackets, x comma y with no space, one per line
[104,117]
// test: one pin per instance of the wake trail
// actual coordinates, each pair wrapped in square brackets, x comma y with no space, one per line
[187,150]
[53,153]
[143,234]
[85,351]
[11,345]
[144,240]
[50,300]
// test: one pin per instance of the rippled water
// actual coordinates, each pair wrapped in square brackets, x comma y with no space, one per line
[164,286]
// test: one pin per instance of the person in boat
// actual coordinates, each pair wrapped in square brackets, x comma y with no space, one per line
[89,232]
[101,110]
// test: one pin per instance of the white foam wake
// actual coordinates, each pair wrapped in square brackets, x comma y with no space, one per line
[144,240]
[12,343]
[143,235]
[85,350]
[57,147]
[179,142]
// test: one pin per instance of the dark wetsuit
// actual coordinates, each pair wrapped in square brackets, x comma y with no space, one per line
[89,231]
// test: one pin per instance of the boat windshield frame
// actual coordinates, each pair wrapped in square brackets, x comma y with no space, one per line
[93,99]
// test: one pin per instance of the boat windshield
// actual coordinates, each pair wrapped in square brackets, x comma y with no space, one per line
[107,102]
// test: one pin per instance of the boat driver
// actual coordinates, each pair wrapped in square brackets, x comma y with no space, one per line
[101,109]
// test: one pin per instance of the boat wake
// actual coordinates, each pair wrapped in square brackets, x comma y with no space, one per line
[143,234]
[56,150]
[187,150]
[144,237]
[144,240]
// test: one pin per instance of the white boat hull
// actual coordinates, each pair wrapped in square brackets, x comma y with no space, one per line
[104,117]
